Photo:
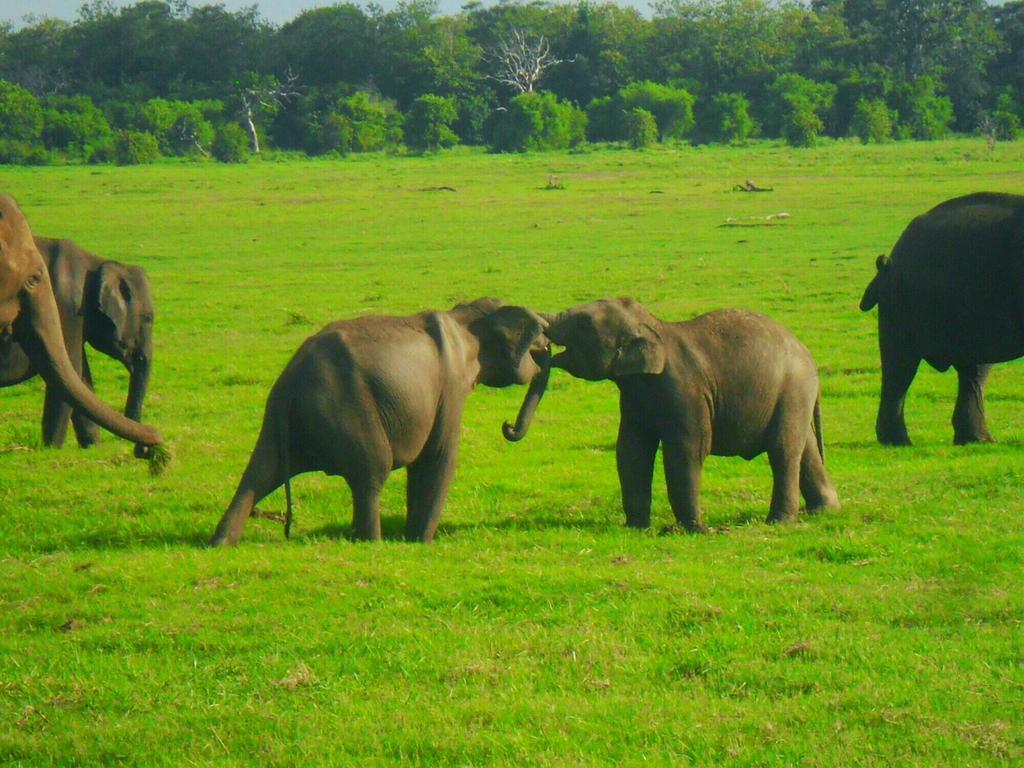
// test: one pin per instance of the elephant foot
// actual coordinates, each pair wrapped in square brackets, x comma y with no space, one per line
[829,500]
[894,440]
[968,437]
[779,518]
[678,528]
[222,540]
[640,523]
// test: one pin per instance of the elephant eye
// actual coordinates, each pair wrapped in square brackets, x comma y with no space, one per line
[33,281]
[147,318]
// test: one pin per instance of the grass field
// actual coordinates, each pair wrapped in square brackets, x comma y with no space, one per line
[536,630]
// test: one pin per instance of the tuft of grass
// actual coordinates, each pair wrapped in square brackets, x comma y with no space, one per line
[160,457]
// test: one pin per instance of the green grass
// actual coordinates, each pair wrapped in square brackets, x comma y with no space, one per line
[536,630]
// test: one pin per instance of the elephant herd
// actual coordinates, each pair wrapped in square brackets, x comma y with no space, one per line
[364,397]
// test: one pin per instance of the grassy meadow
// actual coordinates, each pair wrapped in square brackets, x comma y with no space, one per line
[536,630]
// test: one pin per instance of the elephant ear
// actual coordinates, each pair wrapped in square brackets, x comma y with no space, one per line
[518,328]
[115,294]
[870,297]
[642,353]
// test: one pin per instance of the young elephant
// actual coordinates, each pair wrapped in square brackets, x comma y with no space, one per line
[104,303]
[729,383]
[366,396]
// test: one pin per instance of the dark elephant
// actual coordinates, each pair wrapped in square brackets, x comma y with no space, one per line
[367,396]
[952,294]
[29,317]
[104,303]
[728,383]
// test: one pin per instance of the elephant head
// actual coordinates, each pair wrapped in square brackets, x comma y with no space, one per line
[871,293]
[119,323]
[607,339]
[513,350]
[28,310]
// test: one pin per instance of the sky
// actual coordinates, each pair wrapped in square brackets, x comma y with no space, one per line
[276,11]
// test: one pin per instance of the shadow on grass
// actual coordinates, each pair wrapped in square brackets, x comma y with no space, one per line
[101,541]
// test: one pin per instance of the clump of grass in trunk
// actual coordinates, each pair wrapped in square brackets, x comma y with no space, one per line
[160,457]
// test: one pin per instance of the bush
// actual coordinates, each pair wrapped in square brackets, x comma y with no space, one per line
[361,123]
[535,121]
[641,128]
[872,121]
[924,113]
[21,126]
[1006,122]
[230,144]
[135,148]
[672,109]
[799,104]
[76,126]
[428,123]
[726,117]
[181,127]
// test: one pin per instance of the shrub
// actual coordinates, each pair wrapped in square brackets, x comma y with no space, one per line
[428,124]
[872,121]
[1006,122]
[363,123]
[799,104]
[135,148]
[726,117]
[672,108]
[230,144]
[181,127]
[76,126]
[535,121]
[641,128]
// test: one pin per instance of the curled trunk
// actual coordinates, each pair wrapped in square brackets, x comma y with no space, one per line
[43,341]
[137,386]
[533,395]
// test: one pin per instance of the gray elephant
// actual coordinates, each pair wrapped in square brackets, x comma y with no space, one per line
[728,383]
[29,316]
[952,294]
[104,303]
[367,396]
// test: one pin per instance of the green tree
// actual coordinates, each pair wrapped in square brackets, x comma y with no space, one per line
[21,125]
[725,117]
[364,123]
[924,112]
[538,121]
[428,123]
[135,148]
[230,144]
[75,126]
[641,128]
[872,121]
[799,104]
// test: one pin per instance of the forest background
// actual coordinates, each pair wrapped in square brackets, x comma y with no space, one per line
[165,78]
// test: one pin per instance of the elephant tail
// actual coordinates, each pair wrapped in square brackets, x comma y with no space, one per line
[818,434]
[283,436]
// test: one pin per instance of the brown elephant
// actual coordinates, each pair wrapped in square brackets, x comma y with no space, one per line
[105,304]
[727,383]
[367,396]
[29,316]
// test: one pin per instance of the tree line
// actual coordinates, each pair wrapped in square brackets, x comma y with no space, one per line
[162,77]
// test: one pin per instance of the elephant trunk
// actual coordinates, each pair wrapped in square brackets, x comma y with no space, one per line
[45,343]
[538,385]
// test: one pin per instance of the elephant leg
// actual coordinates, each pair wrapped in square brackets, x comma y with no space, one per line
[815,486]
[428,480]
[634,457]
[366,505]
[86,430]
[969,413]
[264,473]
[898,371]
[785,458]
[683,465]
[56,411]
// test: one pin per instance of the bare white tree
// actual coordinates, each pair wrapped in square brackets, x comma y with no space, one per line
[264,94]
[522,59]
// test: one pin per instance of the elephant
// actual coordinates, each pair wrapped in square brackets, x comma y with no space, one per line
[29,317]
[366,396]
[105,303]
[951,293]
[727,383]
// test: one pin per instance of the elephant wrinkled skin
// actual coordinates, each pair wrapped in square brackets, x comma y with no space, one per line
[104,303]
[728,383]
[29,316]
[951,294]
[367,396]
